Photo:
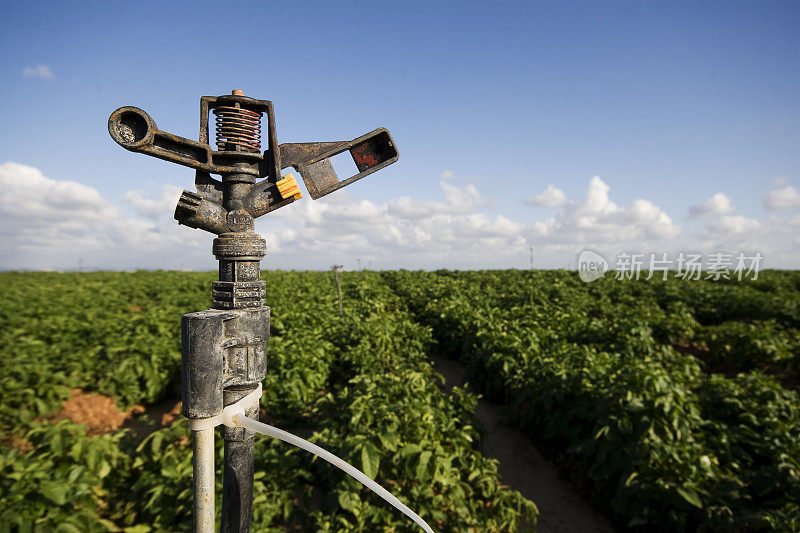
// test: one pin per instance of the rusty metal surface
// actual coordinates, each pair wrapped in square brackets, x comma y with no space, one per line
[370,152]
[319,177]
[294,153]
[238,136]
[263,198]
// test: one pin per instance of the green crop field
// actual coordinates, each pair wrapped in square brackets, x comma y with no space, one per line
[672,405]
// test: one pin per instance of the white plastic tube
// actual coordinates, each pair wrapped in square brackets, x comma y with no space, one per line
[236,417]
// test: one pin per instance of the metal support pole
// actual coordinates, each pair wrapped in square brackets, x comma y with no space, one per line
[203,480]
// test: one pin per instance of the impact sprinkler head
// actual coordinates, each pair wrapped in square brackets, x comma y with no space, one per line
[251,183]
[224,349]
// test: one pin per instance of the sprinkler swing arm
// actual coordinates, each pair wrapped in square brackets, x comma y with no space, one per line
[134,130]
[223,349]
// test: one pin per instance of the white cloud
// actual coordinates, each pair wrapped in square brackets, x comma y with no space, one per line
[458,200]
[551,197]
[733,225]
[47,223]
[734,234]
[154,209]
[596,219]
[403,232]
[38,71]
[719,204]
[785,198]
[26,192]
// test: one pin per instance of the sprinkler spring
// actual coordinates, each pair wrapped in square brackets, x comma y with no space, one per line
[238,128]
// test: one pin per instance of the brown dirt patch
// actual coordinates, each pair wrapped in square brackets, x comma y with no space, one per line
[172,415]
[154,417]
[23,445]
[100,415]
[97,412]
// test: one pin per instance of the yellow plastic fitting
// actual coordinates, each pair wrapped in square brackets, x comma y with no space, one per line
[288,187]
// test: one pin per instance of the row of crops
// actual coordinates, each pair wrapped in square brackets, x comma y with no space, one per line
[675,402]
[361,386]
[672,404]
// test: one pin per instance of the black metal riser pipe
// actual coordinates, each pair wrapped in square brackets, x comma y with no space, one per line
[238,472]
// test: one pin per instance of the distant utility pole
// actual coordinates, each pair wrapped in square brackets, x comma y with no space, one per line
[359,263]
[532,247]
[335,269]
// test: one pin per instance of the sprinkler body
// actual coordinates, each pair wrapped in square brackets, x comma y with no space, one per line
[224,348]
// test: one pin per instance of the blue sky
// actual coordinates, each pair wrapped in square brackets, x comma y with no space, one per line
[489,104]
